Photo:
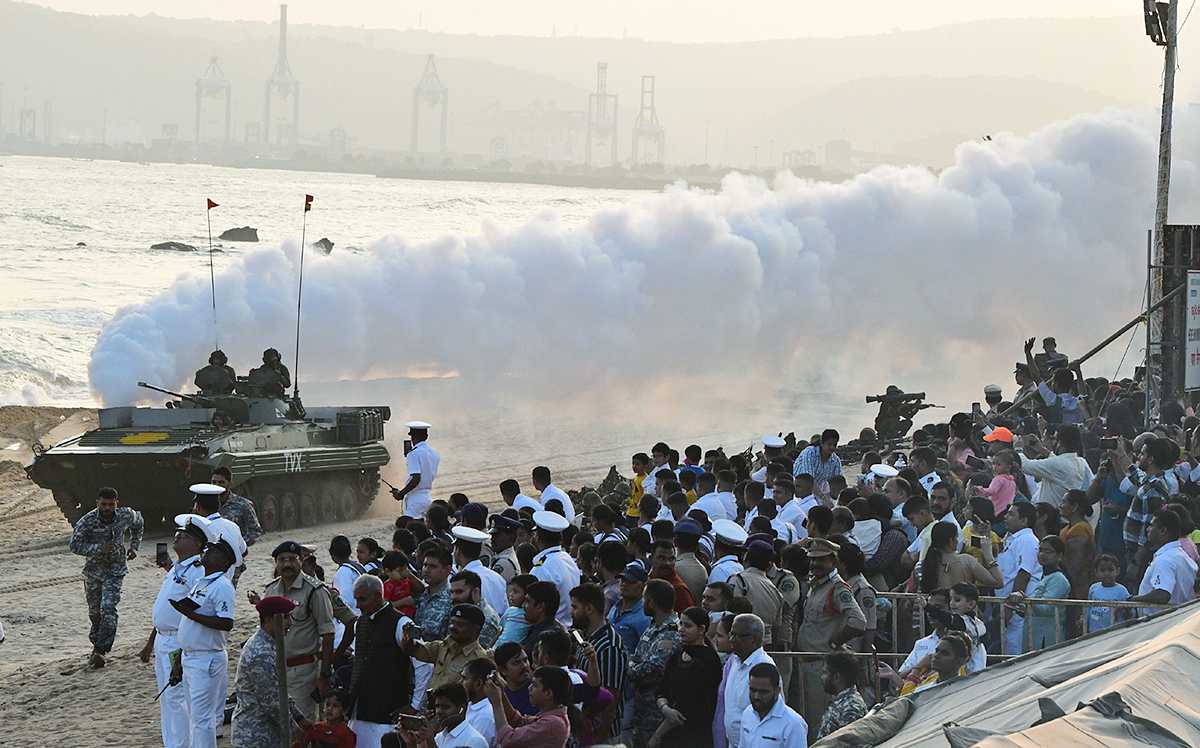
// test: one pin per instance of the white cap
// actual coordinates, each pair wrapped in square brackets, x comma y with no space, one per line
[229,531]
[774,442]
[233,543]
[206,488]
[184,520]
[469,534]
[729,532]
[550,521]
[417,426]
[884,470]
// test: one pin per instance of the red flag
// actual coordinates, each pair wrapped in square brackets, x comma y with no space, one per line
[211,204]
[307,203]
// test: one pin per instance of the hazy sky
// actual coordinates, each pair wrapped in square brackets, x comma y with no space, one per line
[663,20]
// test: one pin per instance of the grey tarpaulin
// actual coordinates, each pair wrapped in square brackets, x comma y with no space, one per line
[1135,685]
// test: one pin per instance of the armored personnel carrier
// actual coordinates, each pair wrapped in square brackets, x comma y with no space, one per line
[299,467]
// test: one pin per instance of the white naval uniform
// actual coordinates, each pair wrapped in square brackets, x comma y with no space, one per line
[712,506]
[424,460]
[554,492]
[492,586]
[521,501]
[173,704]
[555,565]
[205,662]
[724,568]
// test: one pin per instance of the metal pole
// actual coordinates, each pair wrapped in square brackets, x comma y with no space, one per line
[1164,181]
[285,713]
[212,278]
[1108,341]
[1149,337]
[299,295]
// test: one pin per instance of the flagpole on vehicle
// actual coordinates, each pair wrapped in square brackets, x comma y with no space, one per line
[299,295]
[212,277]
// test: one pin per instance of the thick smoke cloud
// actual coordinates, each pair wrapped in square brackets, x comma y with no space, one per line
[899,274]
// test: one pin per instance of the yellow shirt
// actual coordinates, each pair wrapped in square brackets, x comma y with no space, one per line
[968,533]
[930,679]
[692,497]
[631,510]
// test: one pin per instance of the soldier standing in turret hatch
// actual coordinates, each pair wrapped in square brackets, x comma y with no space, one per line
[272,378]
[218,378]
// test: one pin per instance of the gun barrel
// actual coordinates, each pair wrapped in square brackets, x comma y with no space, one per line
[193,398]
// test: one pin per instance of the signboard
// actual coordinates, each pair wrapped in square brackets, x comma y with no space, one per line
[1191,380]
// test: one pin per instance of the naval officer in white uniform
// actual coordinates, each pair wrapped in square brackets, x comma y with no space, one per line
[552,563]
[191,535]
[729,538]
[423,461]
[468,543]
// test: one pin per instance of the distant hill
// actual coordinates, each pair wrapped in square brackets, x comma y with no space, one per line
[780,95]
[924,117]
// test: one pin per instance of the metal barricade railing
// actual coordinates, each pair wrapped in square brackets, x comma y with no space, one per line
[899,657]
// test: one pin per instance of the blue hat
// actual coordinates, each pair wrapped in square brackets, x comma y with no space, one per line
[501,523]
[762,537]
[688,527]
[474,514]
[759,554]
[635,572]
[287,546]
[1022,368]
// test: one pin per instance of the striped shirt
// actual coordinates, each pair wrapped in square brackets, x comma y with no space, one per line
[810,462]
[613,660]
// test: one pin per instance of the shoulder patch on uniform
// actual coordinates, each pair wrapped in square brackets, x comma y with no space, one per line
[666,644]
[869,602]
[844,596]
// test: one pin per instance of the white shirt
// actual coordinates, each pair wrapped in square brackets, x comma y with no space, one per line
[712,506]
[868,532]
[784,530]
[724,568]
[751,513]
[759,475]
[555,565]
[179,582]
[215,594]
[462,736]
[480,716]
[791,513]
[493,587]
[554,492]
[343,582]
[1020,552]
[1058,474]
[929,481]
[781,728]
[522,502]
[737,692]
[1172,570]
[730,503]
[922,647]
[423,459]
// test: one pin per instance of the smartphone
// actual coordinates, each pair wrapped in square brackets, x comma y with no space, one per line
[578,636]
[1108,443]
[160,554]
[976,541]
[407,446]
[976,409]
[411,721]
[189,603]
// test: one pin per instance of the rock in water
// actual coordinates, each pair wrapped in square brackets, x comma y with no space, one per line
[244,234]
[324,245]
[176,246]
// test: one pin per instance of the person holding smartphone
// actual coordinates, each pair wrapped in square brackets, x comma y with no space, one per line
[163,645]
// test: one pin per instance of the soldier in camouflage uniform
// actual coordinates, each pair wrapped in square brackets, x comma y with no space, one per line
[649,660]
[238,510]
[100,535]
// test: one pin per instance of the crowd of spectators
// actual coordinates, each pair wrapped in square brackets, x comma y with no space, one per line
[671,611]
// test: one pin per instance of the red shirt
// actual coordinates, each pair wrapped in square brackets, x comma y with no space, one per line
[393,591]
[683,596]
[325,735]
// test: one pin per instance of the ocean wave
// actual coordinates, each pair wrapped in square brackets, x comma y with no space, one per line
[53,220]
